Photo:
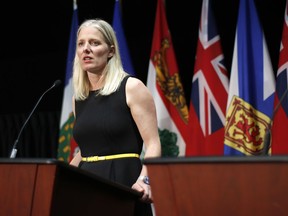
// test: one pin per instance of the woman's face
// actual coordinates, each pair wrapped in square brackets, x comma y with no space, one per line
[92,51]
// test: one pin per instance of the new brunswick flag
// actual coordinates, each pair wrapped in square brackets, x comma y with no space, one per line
[251,88]
[67,147]
[164,82]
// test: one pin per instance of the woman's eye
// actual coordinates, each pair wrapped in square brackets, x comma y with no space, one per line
[95,43]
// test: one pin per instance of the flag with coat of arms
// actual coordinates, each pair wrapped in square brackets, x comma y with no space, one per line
[251,88]
[164,82]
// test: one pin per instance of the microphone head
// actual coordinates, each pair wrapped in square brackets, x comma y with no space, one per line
[57,82]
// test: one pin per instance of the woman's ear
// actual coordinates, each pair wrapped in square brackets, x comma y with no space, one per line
[111,51]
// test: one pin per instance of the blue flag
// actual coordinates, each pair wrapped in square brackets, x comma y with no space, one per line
[124,51]
[67,147]
[252,87]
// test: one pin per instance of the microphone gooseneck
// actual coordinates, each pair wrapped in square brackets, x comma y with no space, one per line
[14,149]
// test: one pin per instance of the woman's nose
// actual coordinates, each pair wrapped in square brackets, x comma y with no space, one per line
[86,48]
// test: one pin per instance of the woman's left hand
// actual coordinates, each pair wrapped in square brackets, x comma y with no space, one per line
[145,189]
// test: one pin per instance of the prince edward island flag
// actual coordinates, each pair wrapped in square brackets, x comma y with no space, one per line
[164,83]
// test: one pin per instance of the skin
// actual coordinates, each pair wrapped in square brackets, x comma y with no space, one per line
[93,54]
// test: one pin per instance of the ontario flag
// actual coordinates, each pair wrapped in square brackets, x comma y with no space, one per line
[279,137]
[67,146]
[123,47]
[209,90]
[251,89]
[164,82]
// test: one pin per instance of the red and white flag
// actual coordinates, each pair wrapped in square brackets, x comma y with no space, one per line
[209,90]
[165,85]
[279,143]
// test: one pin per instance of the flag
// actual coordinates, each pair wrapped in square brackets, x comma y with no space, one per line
[280,123]
[123,47]
[251,89]
[67,146]
[164,82]
[209,90]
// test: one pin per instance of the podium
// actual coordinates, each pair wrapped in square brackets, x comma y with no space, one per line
[202,186]
[50,187]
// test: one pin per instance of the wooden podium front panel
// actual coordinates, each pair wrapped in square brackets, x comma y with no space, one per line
[43,194]
[75,194]
[164,195]
[33,187]
[16,189]
[201,189]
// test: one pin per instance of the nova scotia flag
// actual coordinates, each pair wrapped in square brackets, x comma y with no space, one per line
[252,87]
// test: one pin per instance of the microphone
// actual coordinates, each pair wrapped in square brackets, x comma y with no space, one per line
[14,149]
[267,138]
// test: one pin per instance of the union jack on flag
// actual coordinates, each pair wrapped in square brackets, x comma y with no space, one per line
[209,90]
[280,123]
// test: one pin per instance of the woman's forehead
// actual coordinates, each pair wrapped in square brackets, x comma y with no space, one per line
[90,32]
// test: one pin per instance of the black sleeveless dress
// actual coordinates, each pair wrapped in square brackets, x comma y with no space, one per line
[104,126]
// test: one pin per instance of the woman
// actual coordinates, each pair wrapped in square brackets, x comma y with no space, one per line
[114,113]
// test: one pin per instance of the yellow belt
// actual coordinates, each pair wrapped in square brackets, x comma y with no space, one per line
[109,157]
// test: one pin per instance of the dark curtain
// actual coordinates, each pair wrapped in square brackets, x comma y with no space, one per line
[39,139]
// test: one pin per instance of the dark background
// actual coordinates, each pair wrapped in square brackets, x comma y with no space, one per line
[35,36]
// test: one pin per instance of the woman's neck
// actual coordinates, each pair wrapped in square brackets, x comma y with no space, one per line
[96,81]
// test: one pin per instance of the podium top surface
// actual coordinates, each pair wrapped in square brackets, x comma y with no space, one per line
[217,159]
[31,160]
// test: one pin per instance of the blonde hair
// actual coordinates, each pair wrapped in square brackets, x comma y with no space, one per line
[114,72]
